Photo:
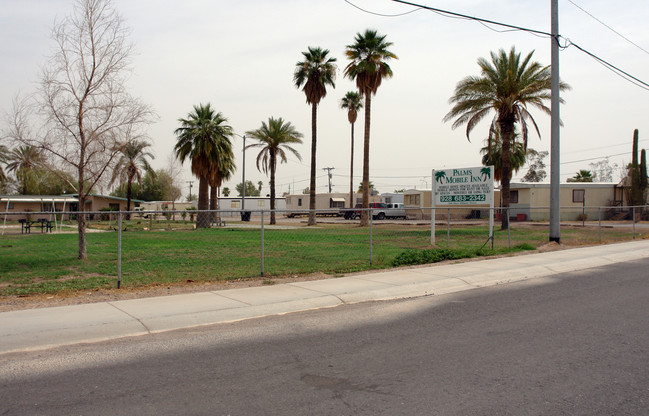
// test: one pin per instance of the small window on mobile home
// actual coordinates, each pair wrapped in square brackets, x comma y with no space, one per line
[578,195]
[513,197]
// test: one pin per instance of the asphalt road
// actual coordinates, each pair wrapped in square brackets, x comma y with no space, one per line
[573,344]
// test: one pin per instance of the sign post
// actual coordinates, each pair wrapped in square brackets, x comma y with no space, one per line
[463,186]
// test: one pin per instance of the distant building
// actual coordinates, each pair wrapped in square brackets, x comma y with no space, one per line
[392,198]
[532,200]
[299,203]
[22,205]
[529,201]
[231,206]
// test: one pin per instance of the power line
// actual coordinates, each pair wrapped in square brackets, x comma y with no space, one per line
[609,27]
[477,19]
[594,158]
[621,73]
[381,14]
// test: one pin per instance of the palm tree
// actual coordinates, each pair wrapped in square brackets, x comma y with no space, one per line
[315,73]
[368,67]
[492,155]
[582,176]
[222,170]
[131,165]
[508,85]
[275,138]
[352,103]
[204,138]
[24,161]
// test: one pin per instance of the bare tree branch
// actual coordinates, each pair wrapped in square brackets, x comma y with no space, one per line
[83,105]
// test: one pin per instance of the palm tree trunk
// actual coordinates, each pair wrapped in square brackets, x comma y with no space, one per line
[203,217]
[365,215]
[273,163]
[129,195]
[507,131]
[213,202]
[351,173]
[312,196]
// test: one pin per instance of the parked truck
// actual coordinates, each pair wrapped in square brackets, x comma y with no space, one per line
[395,210]
[380,211]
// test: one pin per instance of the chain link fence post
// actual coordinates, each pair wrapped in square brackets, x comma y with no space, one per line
[599,222]
[119,249]
[509,230]
[633,220]
[371,238]
[262,243]
[448,227]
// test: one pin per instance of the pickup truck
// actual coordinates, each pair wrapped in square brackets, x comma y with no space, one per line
[379,210]
[395,210]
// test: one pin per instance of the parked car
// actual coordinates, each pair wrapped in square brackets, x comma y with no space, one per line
[395,210]
[378,210]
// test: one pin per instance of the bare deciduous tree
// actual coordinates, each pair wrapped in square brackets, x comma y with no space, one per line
[84,107]
[174,169]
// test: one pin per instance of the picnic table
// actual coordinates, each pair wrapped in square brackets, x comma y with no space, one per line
[46,225]
[218,221]
[26,225]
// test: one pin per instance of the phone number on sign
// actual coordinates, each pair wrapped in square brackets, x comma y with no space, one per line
[463,198]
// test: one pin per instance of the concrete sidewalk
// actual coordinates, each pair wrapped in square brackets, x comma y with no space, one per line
[36,329]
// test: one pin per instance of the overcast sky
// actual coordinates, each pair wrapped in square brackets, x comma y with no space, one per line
[240,57]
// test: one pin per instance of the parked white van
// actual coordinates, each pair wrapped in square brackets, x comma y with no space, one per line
[395,210]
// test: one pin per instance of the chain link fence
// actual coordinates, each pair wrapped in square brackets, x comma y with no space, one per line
[164,247]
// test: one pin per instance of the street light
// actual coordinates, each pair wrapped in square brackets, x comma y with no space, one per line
[243,179]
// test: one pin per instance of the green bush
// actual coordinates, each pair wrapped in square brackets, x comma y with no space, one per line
[413,257]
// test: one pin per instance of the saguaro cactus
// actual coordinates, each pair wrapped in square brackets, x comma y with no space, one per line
[643,171]
[638,175]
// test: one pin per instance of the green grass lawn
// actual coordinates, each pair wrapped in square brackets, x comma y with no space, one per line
[47,263]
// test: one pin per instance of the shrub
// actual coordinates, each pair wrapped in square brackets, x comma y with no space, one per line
[413,257]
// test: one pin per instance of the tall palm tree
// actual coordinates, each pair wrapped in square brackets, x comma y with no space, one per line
[352,103]
[24,161]
[508,85]
[315,73]
[131,165]
[222,171]
[204,138]
[275,138]
[492,154]
[369,57]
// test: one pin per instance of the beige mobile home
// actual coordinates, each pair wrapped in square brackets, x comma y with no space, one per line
[329,204]
[417,203]
[532,200]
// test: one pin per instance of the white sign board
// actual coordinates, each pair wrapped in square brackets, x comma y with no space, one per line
[463,186]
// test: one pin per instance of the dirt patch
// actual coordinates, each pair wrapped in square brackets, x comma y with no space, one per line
[10,303]
[552,246]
